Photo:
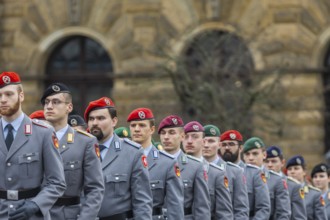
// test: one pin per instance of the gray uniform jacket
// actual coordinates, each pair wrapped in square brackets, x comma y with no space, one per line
[314,203]
[31,161]
[166,184]
[298,208]
[196,192]
[238,189]
[126,180]
[258,192]
[83,172]
[279,196]
[327,204]
[221,205]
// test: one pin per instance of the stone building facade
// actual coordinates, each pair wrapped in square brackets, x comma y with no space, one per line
[290,34]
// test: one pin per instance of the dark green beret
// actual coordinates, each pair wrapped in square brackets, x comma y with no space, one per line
[123,132]
[253,143]
[211,131]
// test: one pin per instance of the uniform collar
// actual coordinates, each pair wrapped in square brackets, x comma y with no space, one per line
[108,142]
[216,161]
[177,154]
[60,133]
[147,150]
[16,123]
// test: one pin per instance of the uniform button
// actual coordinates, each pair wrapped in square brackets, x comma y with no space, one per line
[153,185]
[28,158]
[185,184]
[9,179]
[11,206]
[72,166]
[63,146]
[8,164]
[117,178]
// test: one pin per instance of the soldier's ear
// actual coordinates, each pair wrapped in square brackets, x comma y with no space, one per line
[153,128]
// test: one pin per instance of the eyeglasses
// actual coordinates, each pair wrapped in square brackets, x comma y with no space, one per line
[55,102]
[228,144]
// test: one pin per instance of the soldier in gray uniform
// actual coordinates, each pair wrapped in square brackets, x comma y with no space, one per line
[254,152]
[125,169]
[29,157]
[196,194]
[275,162]
[236,179]
[320,178]
[81,162]
[314,201]
[221,205]
[164,172]
[258,193]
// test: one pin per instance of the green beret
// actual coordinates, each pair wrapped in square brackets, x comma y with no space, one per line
[123,132]
[253,143]
[211,131]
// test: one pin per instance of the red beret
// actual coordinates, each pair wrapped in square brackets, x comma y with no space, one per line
[171,121]
[9,78]
[140,114]
[193,126]
[39,114]
[231,135]
[103,102]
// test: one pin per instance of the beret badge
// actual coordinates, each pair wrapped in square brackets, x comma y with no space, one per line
[257,144]
[232,136]
[195,127]
[274,152]
[213,131]
[56,88]
[6,79]
[74,122]
[142,115]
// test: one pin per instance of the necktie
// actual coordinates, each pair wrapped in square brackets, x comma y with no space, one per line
[101,147]
[10,136]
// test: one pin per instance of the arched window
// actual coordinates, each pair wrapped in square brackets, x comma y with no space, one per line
[85,66]
[218,69]
[326,83]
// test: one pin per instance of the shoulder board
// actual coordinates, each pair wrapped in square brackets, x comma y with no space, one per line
[194,158]
[166,154]
[216,166]
[232,164]
[252,166]
[41,123]
[275,173]
[132,143]
[293,180]
[84,133]
[312,187]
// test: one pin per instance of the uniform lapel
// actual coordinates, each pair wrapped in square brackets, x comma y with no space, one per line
[152,161]
[112,152]
[21,138]
[3,147]
[64,142]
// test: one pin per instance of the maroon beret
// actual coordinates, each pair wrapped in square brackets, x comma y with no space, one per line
[103,102]
[193,126]
[140,114]
[231,135]
[9,78]
[171,121]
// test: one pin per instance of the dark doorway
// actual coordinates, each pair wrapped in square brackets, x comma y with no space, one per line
[85,66]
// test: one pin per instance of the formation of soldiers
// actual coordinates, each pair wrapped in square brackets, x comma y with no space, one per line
[60,166]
